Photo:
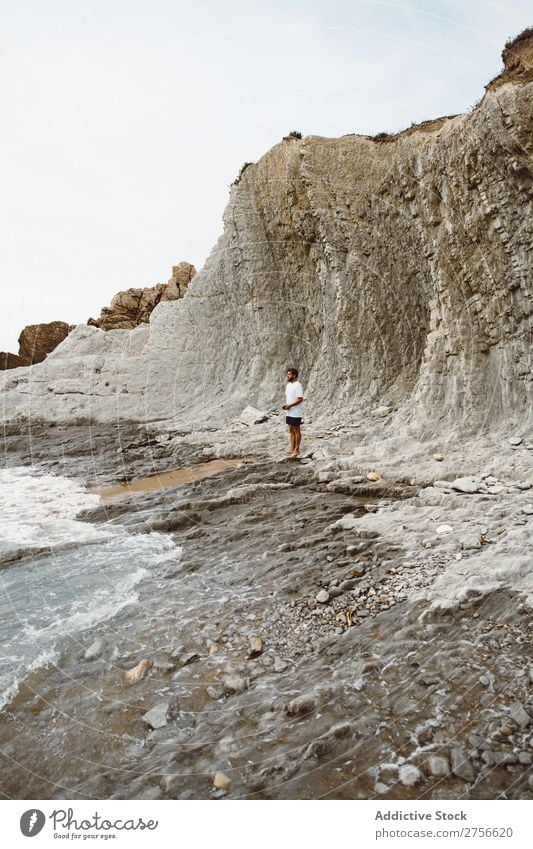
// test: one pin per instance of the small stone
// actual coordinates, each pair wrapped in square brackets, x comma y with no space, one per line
[322,597]
[189,657]
[444,529]
[409,775]
[157,717]
[524,758]
[94,650]
[301,705]
[215,691]
[380,412]
[515,440]
[214,648]
[251,416]
[496,489]
[235,684]
[527,509]
[221,781]
[438,457]
[461,765]
[505,730]
[256,646]
[467,485]
[519,714]
[438,766]
[132,676]
[381,788]
[373,476]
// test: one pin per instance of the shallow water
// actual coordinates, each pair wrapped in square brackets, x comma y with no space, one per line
[88,575]
[166,480]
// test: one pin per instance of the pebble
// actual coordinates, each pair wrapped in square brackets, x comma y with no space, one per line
[322,597]
[487,679]
[94,650]
[235,684]
[381,788]
[256,646]
[515,440]
[519,714]
[373,476]
[444,529]
[221,781]
[528,509]
[301,705]
[438,766]
[438,457]
[409,775]
[132,676]
[467,485]
[157,717]
[461,765]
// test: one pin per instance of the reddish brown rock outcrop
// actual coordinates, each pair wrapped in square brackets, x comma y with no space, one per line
[38,340]
[134,306]
[8,360]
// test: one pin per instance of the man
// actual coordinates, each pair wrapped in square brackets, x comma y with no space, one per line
[294,396]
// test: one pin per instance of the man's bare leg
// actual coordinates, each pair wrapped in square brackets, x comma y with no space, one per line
[292,437]
[297,440]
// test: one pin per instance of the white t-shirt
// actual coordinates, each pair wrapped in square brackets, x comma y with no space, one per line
[292,392]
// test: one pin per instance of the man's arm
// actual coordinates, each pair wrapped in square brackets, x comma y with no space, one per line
[294,403]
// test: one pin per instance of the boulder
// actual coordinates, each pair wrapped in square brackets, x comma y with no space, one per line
[38,340]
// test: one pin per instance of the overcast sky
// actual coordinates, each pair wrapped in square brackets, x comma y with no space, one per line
[123,122]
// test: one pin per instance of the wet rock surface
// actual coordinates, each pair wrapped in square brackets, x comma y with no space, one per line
[254,686]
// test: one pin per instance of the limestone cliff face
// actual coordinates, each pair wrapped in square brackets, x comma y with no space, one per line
[387,270]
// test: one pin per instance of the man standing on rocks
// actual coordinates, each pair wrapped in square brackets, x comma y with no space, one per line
[294,396]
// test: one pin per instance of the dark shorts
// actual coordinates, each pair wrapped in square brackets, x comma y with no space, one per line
[293,420]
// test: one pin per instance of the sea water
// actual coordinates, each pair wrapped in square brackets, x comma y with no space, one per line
[71,576]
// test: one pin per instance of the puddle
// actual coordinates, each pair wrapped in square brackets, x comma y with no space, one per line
[168,479]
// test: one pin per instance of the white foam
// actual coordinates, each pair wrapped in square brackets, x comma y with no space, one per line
[40,510]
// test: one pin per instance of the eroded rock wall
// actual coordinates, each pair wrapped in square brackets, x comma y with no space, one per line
[391,270]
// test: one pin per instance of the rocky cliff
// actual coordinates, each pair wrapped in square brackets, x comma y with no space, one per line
[36,341]
[390,270]
[132,307]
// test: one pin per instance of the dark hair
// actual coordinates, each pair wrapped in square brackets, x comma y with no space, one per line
[294,371]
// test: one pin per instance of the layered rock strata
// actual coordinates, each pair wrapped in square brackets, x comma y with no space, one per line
[391,271]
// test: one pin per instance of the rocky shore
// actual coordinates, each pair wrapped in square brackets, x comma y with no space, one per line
[318,634]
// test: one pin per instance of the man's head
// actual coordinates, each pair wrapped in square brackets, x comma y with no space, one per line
[292,374]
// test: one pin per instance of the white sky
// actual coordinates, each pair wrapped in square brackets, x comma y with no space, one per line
[124,121]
